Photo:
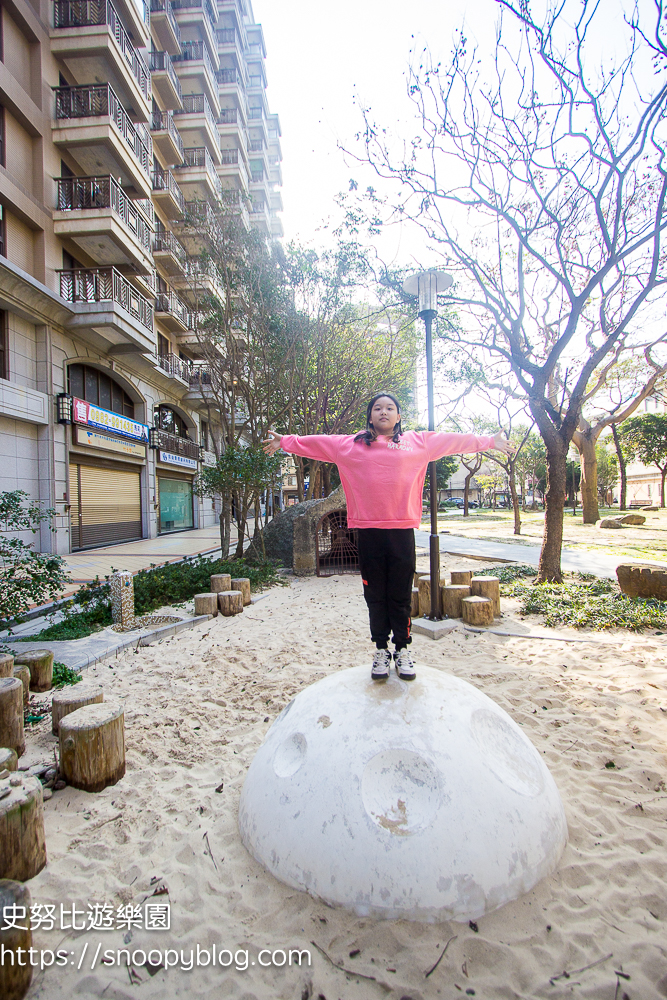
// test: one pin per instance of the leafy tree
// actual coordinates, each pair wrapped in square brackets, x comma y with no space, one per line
[645,438]
[607,472]
[542,185]
[239,475]
[26,577]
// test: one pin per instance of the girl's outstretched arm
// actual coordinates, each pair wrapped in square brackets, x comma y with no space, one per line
[321,447]
[440,443]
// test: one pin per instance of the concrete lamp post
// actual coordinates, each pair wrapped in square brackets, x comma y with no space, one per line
[427,285]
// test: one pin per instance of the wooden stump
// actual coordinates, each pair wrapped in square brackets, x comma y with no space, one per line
[425,596]
[40,664]
[6,665]
[415,602]
[21,827]
[452,595]
[92,746]
[230,602]
[221,582]
[206,604]
[487,586]
[22,673]
[418,576]
[8,759]
[477,610]
[11,715]
[15,978]
[242,583]
[71,699]
[461,576]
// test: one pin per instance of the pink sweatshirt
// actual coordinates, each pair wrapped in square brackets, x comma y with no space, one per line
[384,483]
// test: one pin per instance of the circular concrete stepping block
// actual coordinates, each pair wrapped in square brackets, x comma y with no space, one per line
[71,698]
[424,801]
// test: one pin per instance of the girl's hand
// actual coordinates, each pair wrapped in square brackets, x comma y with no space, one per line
[271,442]
[500,443]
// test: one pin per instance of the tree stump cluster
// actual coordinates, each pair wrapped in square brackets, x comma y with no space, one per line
[461,577]
[242,583]
[230,602]
[487,586]
[40,664]
[206,604]
[11,715]
[221,582]
[477,610]
[71,699]
[452,596]
[92,746]
[15,978]
[425,596]
[22,673]
[23,852]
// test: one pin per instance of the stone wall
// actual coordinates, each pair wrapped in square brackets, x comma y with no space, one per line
[289,539]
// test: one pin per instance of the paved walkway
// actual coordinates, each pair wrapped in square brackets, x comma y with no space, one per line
[572,560]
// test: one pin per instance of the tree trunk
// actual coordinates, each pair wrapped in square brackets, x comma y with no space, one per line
[585,441]
[326,478]
[662,486]
[225,526]
[314,467]
[299,477]
[549,570]
[466,487]
[11,715]
[622,467]
[515,500]
[70,699]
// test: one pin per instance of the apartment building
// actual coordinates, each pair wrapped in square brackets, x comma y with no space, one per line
[119,122]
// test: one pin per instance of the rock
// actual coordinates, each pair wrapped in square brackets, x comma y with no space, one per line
[59,785]
[16,780]
[651,507]
[47,794]
[609,522]
[633,519]
[640,580]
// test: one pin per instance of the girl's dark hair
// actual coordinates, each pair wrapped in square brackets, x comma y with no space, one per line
[370,434]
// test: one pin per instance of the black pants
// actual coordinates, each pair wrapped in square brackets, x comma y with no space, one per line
[387,566]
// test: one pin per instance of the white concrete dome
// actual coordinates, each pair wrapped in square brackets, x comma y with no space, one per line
[420,800]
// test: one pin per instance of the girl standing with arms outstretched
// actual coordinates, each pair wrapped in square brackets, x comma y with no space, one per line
[382,470]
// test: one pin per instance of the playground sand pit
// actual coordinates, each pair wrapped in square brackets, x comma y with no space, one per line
[197,707]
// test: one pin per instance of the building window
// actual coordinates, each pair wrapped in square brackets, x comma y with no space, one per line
[162,346]
[99,389]
[166,419]
[204,434]
[2,134]
[3,232]
[4,366]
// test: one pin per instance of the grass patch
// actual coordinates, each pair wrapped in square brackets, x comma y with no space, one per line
[509,574]
[595,604]
[172,584]
[76,626]
[62,675]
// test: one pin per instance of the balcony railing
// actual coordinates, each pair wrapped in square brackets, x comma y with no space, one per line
[100,101]
[163,180]
[228,116]
[177,445]
[198,104]
[198,270]
[165,7]
[224,76]
[205,5]
[83,13]
[76,193]
[257,176]
[257,207]
[199,376]
[191,51]
[176,367]
[169,302]
[163,121]
[227,36]
[229,156]
[199,156]
[166,242]
[161,62]
[105,284]
[255,113]
[255,145]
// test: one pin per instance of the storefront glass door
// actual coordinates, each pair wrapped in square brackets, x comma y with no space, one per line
[175,505]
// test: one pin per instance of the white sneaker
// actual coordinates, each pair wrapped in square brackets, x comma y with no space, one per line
[381,664]
[405,668]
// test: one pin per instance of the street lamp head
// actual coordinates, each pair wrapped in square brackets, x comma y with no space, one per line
[427,284]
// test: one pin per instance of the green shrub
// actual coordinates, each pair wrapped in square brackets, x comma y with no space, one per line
[508,574]
[174,583]
[594,605]
[62,675]
[75,626]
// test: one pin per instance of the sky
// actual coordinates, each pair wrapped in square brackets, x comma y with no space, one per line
[320,56]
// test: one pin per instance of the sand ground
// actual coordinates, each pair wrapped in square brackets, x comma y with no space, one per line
[197,707]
